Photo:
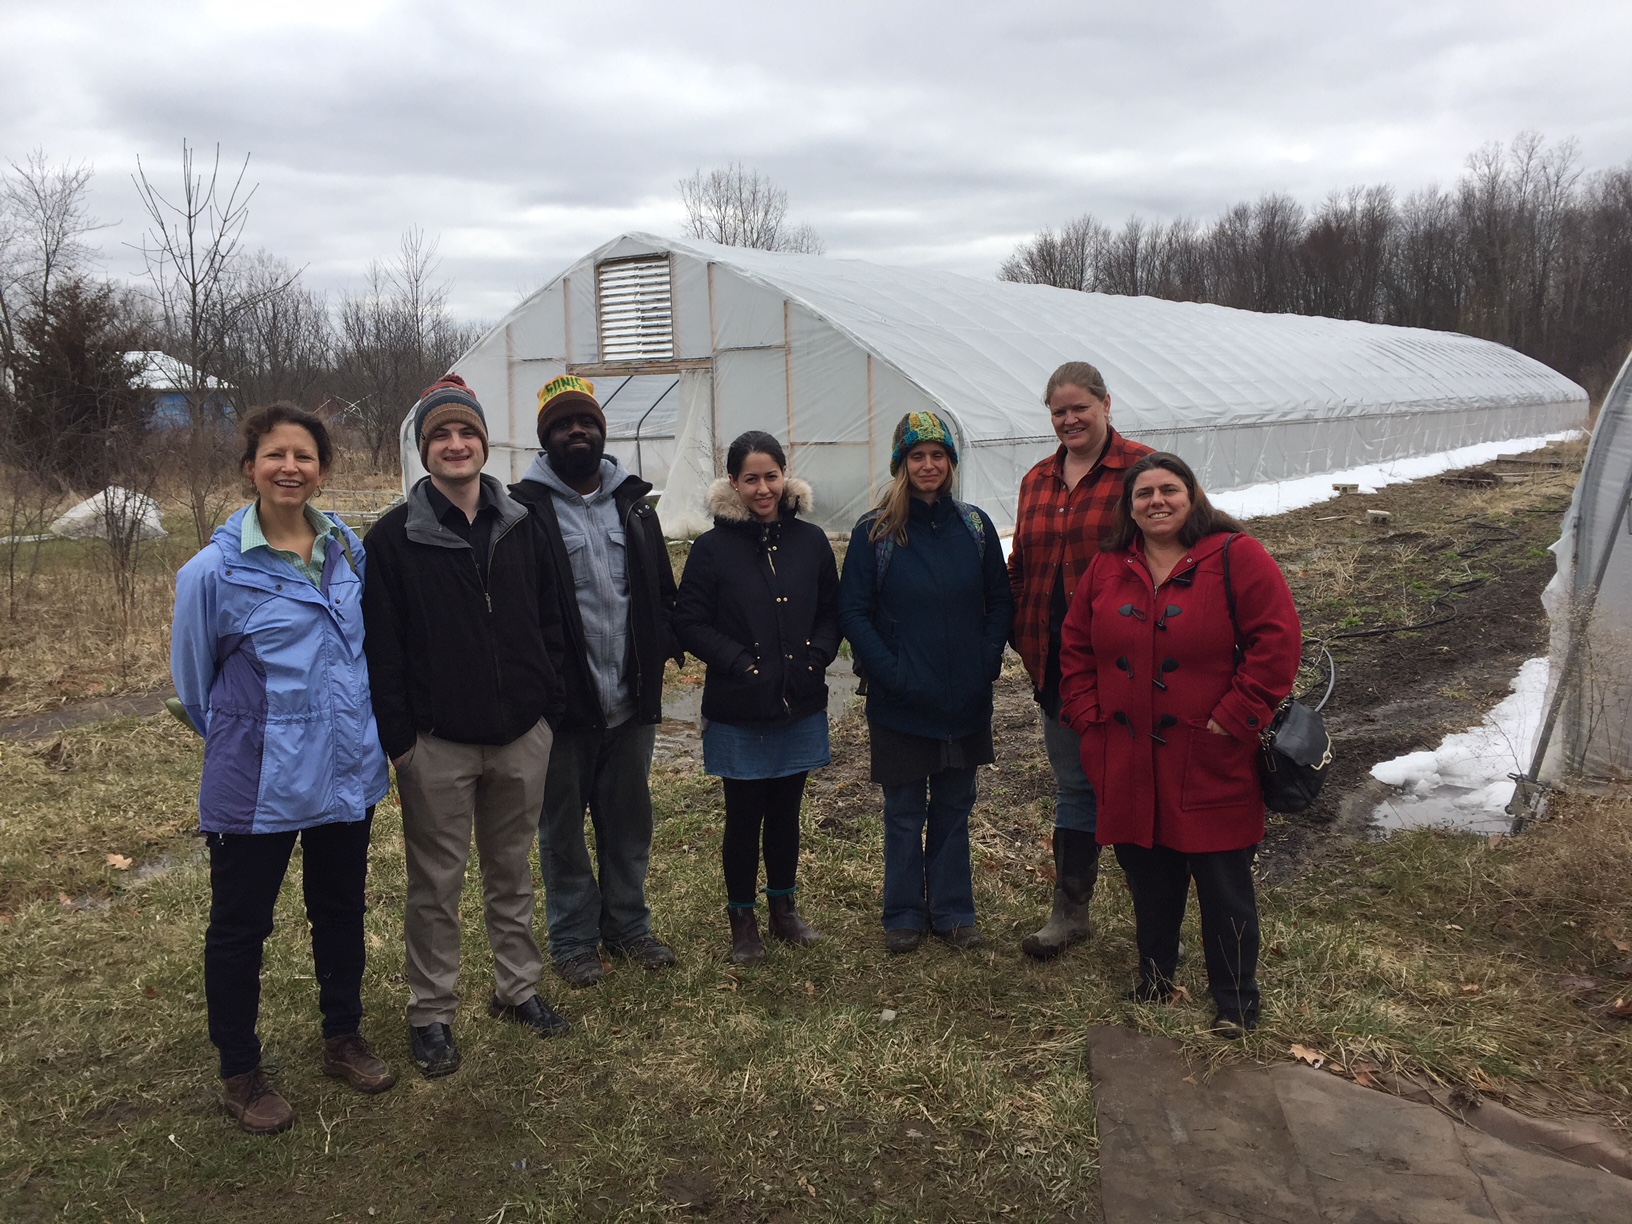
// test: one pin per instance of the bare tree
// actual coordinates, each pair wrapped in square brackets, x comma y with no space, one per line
[395,339]
[280,346]
[735,206]
[1068,259]
[192,249]
[44,226]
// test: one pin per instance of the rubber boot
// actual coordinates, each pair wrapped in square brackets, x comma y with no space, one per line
[746,947]
[787,925]
[1076,868]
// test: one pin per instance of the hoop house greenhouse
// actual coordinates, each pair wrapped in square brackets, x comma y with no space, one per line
[1587,731]
[690,343]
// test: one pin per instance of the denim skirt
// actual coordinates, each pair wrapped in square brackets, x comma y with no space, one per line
[731,751]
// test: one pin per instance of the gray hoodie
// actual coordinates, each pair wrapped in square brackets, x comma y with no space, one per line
[594,539]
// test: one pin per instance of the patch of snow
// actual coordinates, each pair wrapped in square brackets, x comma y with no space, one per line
[1278,497]
[1464,783]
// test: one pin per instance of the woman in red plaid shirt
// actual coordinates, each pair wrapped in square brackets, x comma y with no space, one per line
[1066,502]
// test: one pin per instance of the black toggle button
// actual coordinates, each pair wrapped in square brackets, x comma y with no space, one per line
[1170,665]
[1125,665]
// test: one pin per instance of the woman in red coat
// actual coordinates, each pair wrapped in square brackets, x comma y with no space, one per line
[1170,698]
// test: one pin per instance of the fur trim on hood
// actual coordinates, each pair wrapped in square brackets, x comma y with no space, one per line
[723,503]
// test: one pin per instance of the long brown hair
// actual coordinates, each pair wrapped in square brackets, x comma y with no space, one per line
[1205,518]
[895,503]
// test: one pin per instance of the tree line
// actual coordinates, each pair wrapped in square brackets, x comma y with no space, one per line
[241,325]
[1526,249]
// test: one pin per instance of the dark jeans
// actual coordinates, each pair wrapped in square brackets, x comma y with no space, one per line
[607,772]
[1159,880]
[750,805]
[246,873]
[927,876]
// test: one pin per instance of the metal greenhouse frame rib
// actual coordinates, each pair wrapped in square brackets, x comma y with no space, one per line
[700,342]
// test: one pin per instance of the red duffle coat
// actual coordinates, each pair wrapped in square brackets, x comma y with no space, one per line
[1142,670]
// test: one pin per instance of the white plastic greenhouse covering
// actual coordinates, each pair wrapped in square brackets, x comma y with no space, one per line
[827,354]
[1588,730]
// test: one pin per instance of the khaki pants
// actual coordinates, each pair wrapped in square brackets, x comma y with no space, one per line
[446,789]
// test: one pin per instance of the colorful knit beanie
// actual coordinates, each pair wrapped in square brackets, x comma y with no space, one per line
[917,427]
[447,399]
[564,396]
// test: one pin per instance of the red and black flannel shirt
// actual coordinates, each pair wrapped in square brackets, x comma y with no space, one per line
[1055,527]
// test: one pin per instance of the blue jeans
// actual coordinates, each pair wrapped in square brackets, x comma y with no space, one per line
[607,772]
[1074,804]
[927,878]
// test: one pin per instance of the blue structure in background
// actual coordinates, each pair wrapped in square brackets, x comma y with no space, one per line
[170,382]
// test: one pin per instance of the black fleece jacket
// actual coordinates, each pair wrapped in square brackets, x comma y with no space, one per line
[651,604]
[450,655]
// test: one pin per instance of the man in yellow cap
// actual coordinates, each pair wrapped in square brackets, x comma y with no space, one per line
[617,596]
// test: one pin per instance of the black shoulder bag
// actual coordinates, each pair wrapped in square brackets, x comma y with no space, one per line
[1294,750]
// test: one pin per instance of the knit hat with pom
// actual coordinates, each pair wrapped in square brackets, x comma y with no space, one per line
[447,399]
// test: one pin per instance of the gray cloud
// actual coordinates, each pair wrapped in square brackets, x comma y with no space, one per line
[936,133]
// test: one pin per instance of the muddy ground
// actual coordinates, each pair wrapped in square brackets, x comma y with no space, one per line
[1479,548]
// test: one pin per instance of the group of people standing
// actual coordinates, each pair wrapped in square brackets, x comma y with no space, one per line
[504,649]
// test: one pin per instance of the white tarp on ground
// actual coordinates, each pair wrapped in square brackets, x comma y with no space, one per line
[90,518]
[827,354]
[1590,603]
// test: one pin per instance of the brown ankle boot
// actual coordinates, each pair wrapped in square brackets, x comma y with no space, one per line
[252,1100]
[788,926]
[746,946]
[349,1057]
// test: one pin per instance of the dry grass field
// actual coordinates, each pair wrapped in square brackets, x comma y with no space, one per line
[836,1082]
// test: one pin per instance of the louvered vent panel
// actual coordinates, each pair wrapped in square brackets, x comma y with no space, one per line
[637,310]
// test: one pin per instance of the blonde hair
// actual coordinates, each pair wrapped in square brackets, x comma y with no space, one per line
[895,504]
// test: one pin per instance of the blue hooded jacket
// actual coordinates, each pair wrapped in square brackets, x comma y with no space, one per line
[271,670]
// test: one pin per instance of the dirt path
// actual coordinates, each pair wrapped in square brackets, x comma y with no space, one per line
[82,713]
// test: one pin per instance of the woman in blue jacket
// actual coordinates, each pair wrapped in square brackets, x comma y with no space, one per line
[759,605]
[267,656]
[924,601]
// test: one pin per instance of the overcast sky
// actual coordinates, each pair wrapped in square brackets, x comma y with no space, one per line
[524,134]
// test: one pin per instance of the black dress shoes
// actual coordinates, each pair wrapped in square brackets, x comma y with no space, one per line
[535,1014]
[432,1049]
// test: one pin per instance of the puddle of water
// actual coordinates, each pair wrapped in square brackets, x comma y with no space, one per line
[1446,809]
[681,731]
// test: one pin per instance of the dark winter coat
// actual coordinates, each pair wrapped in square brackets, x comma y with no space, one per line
[651,600]
[447,654]
[759,604]
[931,638]
[1143,669]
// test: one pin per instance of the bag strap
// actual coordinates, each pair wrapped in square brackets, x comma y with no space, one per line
[1229,598]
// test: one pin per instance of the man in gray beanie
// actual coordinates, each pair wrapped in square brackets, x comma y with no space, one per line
[465,659]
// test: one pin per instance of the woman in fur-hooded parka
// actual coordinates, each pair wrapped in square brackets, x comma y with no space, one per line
[759,605]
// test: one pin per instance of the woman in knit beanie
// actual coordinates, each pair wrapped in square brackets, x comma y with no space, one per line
[924,601]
